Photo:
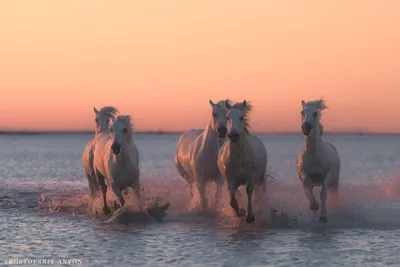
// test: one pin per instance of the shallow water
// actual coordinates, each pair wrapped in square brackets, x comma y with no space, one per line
[45,211]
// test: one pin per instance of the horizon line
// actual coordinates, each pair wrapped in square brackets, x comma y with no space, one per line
[162,132]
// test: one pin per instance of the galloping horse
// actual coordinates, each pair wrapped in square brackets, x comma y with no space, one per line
[242,159]
[318,162]
[116,161]
[197,153]
[102,120]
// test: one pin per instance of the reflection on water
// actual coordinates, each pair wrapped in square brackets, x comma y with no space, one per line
[45,210]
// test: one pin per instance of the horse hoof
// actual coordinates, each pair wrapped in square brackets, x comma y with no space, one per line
[314,206]
[323,219]
[241,213]
[250,218]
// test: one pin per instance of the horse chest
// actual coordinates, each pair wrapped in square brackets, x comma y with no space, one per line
[122,174]
[240,171]
[119,172]
[316,172]
[244,168]
[205,164]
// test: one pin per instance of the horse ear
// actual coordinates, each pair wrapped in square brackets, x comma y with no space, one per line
[95,110]
[112,119]
[303,103]
[244,103]
[212,103]
[227,105]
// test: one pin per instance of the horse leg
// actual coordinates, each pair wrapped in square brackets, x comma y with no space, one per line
[201,185]
[138,195]
[308,191]
[232,188]
[192,187]
[188,179]
[118,193]
[91,185]
[102,182]
[218,193]
[249,190]
[239,196]
[324,195]
[94,185]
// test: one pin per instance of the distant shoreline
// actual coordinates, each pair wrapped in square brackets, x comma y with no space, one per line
[179,132]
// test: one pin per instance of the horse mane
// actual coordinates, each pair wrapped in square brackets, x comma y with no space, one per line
[246,110]
[109,111]
[127,120]
[319,103]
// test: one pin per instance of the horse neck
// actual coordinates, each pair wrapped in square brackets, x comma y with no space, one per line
[124,158]
[312,141]
[99,130]
[210,137]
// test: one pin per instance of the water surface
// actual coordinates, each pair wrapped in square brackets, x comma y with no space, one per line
[45,211]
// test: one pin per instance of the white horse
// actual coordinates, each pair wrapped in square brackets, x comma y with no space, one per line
[318,163]
[242,159]
[102,119]
[116,160]
[197,153]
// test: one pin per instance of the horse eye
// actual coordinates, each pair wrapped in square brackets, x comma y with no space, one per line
[124,130]
[315,114]
[214,114]
[241,118]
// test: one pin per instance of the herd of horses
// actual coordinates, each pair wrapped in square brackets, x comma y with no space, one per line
[225,151]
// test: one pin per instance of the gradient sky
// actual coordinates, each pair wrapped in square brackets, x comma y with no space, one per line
[161,61]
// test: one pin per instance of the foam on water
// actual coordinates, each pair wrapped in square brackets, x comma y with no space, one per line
[372,205]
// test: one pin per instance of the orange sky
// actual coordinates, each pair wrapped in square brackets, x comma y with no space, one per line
[161,61]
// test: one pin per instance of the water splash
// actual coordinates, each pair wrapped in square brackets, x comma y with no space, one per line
[360,205]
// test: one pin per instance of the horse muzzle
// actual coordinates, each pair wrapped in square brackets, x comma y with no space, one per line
[234,137]
[306,128]
[116,148]
[222,132]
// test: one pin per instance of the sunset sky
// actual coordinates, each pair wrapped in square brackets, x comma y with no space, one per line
[161,61]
